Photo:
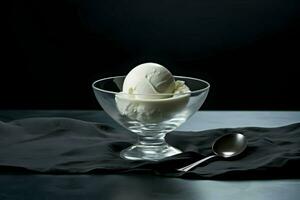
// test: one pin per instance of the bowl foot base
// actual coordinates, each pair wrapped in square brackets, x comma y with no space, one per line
[154,153]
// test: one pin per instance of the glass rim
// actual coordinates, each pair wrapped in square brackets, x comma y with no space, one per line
[160,94]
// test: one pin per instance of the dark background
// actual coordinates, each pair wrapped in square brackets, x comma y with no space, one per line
[52,50]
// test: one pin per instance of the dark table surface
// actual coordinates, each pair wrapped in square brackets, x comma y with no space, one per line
[142,186]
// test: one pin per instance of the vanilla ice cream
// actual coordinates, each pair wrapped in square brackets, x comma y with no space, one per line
[149,79]
[150,94]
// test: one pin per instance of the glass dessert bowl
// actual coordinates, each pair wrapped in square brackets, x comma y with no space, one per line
[150,116]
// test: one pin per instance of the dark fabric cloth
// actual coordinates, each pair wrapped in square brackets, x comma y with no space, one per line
[64,145]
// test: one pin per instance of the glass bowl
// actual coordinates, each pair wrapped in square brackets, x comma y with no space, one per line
[151,117]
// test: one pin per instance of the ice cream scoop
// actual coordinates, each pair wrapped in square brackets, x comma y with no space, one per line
[149,79]
[151,94]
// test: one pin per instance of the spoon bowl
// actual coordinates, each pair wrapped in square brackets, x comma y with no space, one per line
[225,146]
[229,145]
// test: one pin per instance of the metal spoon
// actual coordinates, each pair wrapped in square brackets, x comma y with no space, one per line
[226,146]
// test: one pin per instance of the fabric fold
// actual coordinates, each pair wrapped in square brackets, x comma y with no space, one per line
[65,145]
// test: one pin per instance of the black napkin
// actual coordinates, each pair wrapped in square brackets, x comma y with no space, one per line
[63,145]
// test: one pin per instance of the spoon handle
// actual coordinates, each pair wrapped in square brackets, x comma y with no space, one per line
[188,167]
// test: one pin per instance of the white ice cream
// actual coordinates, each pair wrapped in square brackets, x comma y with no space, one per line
[150,94]
[149,79]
